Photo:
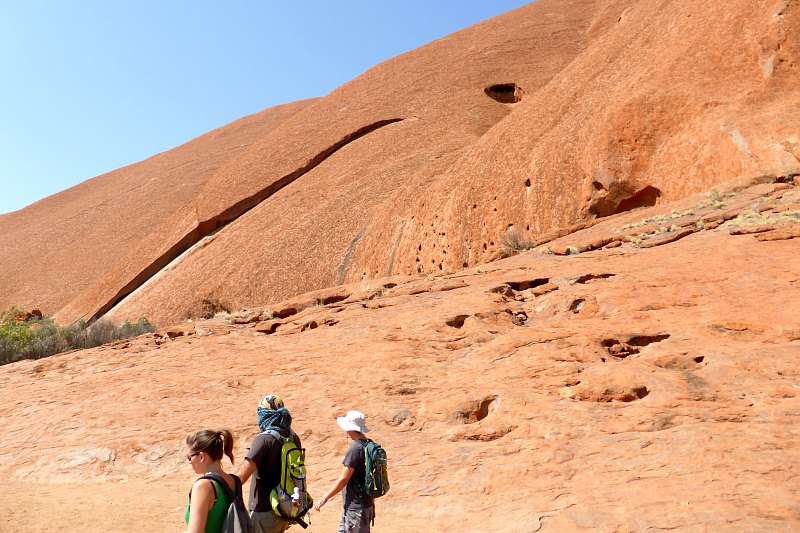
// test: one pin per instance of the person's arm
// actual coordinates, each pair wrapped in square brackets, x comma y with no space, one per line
[344,477]
[256,454]
[202,500]
[246,470]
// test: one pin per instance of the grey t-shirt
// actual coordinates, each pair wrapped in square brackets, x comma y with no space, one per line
[265,452]
[354,497]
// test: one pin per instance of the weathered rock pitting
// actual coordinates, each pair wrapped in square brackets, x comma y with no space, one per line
[664,401]
[559,114]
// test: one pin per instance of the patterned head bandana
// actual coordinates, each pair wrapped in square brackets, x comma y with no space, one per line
[272,415]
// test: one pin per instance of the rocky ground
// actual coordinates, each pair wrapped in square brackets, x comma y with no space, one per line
[637,374]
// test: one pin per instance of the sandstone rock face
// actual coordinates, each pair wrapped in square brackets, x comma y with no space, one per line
[558,113]
[629,388]
[83,237]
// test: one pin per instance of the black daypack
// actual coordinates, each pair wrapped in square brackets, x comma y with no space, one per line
[237,520]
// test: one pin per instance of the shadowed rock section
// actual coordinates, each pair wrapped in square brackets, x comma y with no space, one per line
[505,93]
[235,211]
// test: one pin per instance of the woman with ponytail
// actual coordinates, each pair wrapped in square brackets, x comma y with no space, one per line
[208,500]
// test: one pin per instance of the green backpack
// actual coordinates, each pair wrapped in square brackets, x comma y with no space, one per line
[290,500]
[376,483]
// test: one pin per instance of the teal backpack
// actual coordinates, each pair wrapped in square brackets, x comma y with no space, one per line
[376,483]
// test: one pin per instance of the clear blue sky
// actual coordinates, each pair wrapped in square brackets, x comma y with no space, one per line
[89,86]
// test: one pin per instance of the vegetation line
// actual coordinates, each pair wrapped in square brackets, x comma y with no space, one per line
[31,336]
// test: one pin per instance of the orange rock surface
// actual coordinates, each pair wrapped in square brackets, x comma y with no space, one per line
[553,258]
[620,389]
[556,113]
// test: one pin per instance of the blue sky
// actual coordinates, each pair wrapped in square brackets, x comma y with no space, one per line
[91,86]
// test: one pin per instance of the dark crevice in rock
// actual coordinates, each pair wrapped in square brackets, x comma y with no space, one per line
[644,340]
[285,312]
[333,299]
[619,198]
[505,93]
[577,305]
[647,197]
[457,321]
[632,346]
[637,393]
[206,227]
[589,277]
[309,325]
[525,285]
[475,411]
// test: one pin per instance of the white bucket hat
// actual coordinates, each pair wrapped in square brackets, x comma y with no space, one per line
[352,421]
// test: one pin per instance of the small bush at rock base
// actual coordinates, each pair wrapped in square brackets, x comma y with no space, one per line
[33,339]
[514,242]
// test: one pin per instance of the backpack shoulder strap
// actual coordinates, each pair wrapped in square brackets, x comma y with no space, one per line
[277,436]
[238,483]
[211,476]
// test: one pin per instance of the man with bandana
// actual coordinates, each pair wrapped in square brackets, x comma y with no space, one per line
[264,460]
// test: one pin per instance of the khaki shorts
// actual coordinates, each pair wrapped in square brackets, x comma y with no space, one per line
[268,523]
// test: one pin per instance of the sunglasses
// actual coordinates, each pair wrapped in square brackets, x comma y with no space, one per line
[191,455]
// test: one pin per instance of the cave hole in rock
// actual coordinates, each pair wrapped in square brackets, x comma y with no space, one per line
[477,411]
[619,349]
[646,197]
[503,290]
[518,318]
[643,340]
[272,328]
[309,325]
[333,299]
[389,285]
[632,346]
[699,359]
[577,305]
[637,393]
[528,284]
[528,182]
[505,93]
[285,312]
[457,321]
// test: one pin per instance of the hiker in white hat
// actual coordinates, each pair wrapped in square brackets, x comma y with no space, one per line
[359,508]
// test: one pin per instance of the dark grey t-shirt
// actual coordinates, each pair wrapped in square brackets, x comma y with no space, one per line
[354,497]
[265,452]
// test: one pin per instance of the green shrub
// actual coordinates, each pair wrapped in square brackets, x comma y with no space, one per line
[34,339]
